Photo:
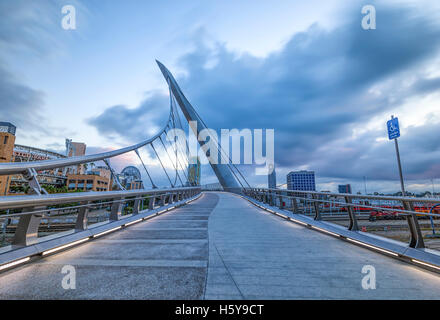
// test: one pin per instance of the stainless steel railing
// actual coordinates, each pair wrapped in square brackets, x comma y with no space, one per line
[33,208]
[22,167]
[312,202]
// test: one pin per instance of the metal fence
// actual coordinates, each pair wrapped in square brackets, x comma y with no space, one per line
[31,210]
[322,205]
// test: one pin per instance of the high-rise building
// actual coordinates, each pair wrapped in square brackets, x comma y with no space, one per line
[194,171]
[75,149]
[7,141]
[272,180]
[344,188]
[301,180]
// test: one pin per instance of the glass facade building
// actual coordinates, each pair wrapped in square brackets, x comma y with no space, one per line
[301,180]
[344,188]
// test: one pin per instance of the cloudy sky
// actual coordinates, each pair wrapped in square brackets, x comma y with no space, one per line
[304,68]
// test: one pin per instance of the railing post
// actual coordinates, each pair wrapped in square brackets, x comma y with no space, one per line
[116,210]
[162,200]
[151,202]
[82,218]
[142,203]
[271,198]
[295,205]
[316,206]
[136,206]
[26,232]
[353,226]
[416,239]
[280,197]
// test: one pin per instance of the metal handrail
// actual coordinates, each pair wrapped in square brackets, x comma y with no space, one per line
[21,167]
[42,212]
[352,196]
[14,202]
[355,205]
[268,195]
[35,208]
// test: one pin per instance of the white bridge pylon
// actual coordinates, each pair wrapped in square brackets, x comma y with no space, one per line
[224,172]
[228,174]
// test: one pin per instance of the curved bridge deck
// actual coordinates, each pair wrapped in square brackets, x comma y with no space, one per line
[218,247]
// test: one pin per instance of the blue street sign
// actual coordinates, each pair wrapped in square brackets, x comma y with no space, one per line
[393,128]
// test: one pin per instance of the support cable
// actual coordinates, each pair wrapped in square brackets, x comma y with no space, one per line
[178,161]
[115,177]
[160,161]
[175,167]
[221,150]
[148,174]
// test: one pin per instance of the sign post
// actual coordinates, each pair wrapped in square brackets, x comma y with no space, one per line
[393,134]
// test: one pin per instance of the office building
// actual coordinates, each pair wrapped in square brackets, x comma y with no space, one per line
[75,149]
[272,180]
[135,185]
[87,182]
[344,188]
[301,180]
[7,141]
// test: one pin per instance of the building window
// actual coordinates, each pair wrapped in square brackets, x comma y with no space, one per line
[6,140]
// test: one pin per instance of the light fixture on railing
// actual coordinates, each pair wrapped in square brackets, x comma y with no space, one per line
[425,264]
[105,232]
[373,247]
[14,263]
[64,246]
[133,222]
[326,231]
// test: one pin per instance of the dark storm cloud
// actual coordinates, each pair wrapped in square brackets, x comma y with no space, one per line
[20,104]
[419,149]
[314,91]
[134,124]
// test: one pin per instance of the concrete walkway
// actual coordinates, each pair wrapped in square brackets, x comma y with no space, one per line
[162,258]
[252,255]
[256,255]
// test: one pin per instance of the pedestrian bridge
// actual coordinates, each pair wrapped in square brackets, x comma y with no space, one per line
[219,246]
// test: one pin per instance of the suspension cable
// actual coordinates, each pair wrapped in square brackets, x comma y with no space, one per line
[148,174]
[175,167]
[160,161]
[219,146]
[178,161]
